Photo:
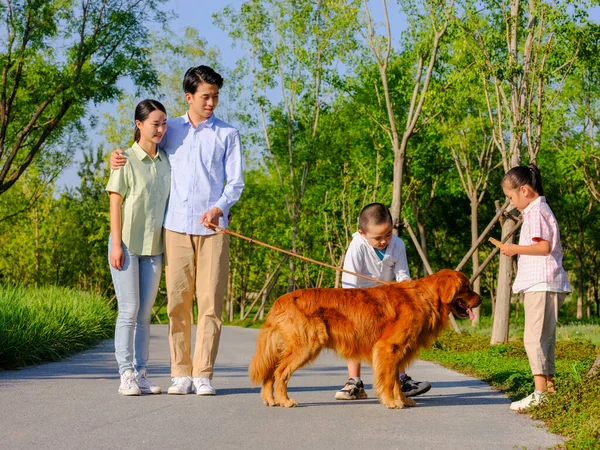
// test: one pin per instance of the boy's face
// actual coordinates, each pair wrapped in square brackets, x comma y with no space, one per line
[204,101]
[378,236]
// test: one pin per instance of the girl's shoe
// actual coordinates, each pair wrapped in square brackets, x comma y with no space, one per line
[524,404]
[145,385]
[129,384]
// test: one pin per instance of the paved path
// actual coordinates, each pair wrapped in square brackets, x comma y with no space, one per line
[74,405]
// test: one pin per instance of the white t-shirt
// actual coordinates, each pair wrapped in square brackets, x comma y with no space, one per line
[362,259]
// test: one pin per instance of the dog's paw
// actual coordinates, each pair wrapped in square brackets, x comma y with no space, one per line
[289,403]
[399,404]
[409,402]
[271,403]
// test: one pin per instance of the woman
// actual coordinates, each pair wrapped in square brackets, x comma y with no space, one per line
[138,198]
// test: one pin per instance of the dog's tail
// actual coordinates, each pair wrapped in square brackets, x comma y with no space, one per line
[266,358]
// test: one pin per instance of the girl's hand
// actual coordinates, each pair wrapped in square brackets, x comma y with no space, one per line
[117,257]
[509,249]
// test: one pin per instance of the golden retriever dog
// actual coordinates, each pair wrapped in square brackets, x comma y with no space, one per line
[385,326]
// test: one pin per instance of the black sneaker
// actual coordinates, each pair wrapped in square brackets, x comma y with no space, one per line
[412,388]
[352,390]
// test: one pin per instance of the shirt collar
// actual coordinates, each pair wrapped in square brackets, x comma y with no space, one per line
[208,123]
[141,154]
[540,199]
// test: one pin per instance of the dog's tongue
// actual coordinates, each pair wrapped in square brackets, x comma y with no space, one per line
[471,315]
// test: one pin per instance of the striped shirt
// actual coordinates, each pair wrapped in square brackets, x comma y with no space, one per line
[539,223]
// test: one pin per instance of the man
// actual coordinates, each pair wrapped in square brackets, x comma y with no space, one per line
[206,181]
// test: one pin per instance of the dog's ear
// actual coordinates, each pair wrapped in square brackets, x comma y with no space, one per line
[448,284]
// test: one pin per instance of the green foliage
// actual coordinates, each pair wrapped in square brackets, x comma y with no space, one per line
[57,57]
[49,324]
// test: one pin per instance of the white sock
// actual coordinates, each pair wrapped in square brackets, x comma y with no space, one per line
[357,379]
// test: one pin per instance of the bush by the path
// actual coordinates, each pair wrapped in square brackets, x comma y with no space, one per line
[47,324]
[574,411]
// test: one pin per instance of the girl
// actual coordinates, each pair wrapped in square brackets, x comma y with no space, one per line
[138,198]
[540,276]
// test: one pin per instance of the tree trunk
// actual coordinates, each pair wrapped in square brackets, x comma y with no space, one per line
[475,258]
[579,315]
[503,293]
[595,366]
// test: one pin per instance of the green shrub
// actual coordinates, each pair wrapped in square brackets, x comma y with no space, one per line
[48,324]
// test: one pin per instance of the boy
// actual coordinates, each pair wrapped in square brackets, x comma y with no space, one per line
[375,252]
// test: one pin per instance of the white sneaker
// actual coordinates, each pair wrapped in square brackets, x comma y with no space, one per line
[145,385]
[181,386]
[203,386]
[129,384]
[527,402]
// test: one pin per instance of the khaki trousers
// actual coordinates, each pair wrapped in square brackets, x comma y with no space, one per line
[200,262]
[541,316]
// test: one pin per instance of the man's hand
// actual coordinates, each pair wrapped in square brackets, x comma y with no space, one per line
[117,160]
[211,217]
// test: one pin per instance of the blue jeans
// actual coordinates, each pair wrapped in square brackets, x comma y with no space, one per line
[136,286]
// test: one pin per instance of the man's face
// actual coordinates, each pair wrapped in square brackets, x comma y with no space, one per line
[203,102]
[378,236]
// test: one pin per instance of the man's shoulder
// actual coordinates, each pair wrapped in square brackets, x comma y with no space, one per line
[224,127]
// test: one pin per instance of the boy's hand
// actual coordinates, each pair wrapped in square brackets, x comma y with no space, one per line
[509,249]
[117,160]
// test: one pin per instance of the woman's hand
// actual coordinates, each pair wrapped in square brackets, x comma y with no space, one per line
[117,256]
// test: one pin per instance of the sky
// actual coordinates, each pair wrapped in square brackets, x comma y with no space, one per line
[189,13]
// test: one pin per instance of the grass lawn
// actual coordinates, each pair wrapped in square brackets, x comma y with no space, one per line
[48,324]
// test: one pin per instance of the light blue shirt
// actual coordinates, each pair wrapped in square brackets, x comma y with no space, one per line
[206,171]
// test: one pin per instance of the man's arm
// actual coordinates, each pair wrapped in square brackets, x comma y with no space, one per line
[117,160]
[234,175]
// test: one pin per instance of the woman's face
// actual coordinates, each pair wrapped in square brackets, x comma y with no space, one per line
[153,128]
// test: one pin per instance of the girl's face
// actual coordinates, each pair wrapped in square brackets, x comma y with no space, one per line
[520,197]
[153,128]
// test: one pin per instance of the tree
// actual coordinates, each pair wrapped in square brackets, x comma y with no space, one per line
[432,24]
[55,58]
[540,42]
[291,45]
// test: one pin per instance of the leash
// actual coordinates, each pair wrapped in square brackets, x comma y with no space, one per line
[295,255]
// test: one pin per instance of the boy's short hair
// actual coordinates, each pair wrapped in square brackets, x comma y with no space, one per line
[198,75]
[373,214]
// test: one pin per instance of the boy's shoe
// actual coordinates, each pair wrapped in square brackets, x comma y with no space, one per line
[129,384]
[145,385]
[412,388]
[352,390]
[181,386]
[203,386]
[524,404]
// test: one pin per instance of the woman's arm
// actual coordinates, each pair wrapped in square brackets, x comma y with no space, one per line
[117,256]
